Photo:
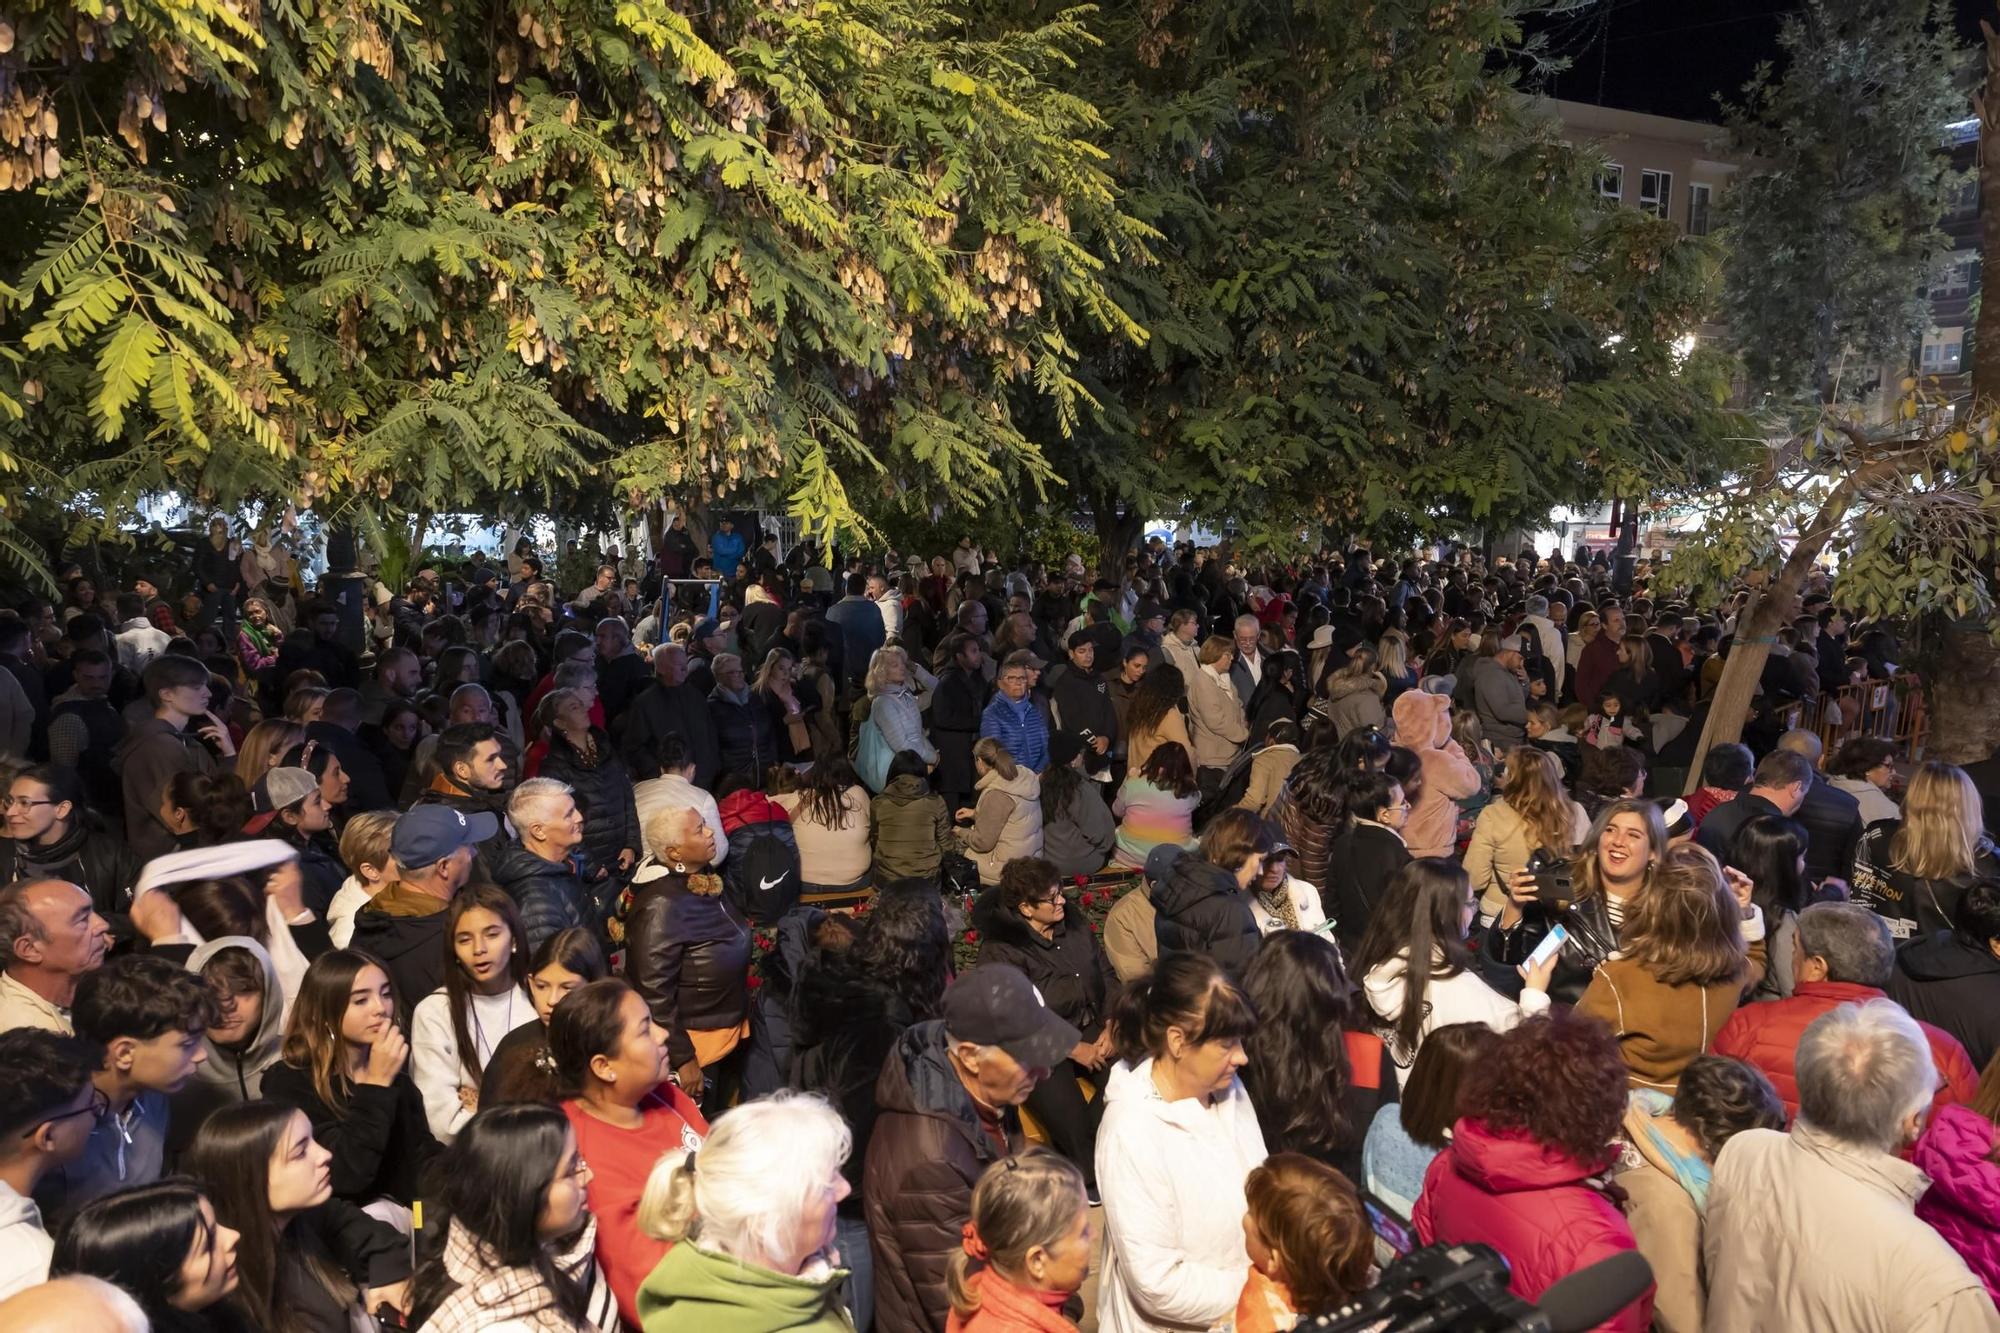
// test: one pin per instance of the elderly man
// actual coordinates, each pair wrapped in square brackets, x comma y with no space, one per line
[1011,717]
[1832,817]
[1816,1228]
[1248,669]
[536,871]
[621,672]
[669,706]
[52,936]
[1500,694]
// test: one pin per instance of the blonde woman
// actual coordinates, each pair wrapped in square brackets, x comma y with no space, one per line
[1393,652]
[893,706]
[1026,1249]
[1216,721]
[263,745]
[1351,698]
[1588,627]
[1006,822]
[364,850]
[1532,812]
[1913,871]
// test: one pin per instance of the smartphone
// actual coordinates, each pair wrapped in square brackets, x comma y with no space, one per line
[1547,949]
[1390,1228]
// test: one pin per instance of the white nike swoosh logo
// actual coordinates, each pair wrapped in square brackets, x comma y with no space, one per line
[766,885]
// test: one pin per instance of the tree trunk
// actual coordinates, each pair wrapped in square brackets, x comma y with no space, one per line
[1118,531]
[1964,691]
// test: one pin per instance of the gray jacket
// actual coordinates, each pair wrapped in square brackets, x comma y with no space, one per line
[1501,701]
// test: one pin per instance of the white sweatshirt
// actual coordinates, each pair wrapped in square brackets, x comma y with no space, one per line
[1171,1174]
[434,1062]
[25,1248]
[1465,998]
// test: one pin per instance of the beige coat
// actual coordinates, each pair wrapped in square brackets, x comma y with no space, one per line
[1215,719]
[1806,1232]
[1501,843]
[1007,823]
[1140,747]
[1268,771]
[1129,941]
[1668,1230]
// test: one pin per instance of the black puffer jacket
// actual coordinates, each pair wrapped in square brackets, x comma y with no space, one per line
[96,860]
[549,895]
[1953,984]
[603,791]
[743,731]
[926,1154]
[1198,909]
[767,1065]
[688,954]
[1069,970]
[844,1022]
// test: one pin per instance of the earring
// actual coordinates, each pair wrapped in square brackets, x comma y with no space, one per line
[679,867]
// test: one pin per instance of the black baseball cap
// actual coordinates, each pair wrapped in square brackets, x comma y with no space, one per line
[994,1004]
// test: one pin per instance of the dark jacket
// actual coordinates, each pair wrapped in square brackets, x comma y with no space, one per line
[1913,907]
[1719,826]
[1082,705]
[367,785]
[757,631]
[548,894]
[403,929]
[95,860]
[688,955]
[1070,970]
[743,730]
[1832,820]
[927,1152]
[380,1146]
[620,680]
[371,1252]
[767,1061]
[1985,775]
[1079,841]
[1592,939]
[955,712]
[147,759]
[1953,984]
[844,1022]
[603,791]
[1198,909]
[659,711]
[1359,865]
[104,726]
[910,830]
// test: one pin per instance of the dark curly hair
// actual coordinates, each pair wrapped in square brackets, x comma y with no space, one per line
[1558,1078]
[1298,1072]
[904,945]
[1160,691]
[1718,1098]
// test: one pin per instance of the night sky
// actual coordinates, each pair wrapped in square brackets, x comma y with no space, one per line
[1671,57]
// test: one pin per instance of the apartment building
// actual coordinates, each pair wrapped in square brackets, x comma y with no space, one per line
[1674,169]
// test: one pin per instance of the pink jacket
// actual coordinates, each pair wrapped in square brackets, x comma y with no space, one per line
[1963,1202]
[1423,724]
[1536,1205]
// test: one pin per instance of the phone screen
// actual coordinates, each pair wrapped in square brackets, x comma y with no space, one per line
[1392,1230]
[1551,942]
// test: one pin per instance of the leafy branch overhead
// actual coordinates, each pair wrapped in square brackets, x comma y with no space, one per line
[493,255]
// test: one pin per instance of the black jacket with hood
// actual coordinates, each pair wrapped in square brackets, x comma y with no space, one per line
[1198,909]
[603,791]
[1069,970]
[96,860]
[767,1063]
[403,929]
[1953,983]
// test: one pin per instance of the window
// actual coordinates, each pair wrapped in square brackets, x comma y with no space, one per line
[1611,182]
[1965,199]
[1656,191]
[1698,197]
[1954,277]
[1944,352]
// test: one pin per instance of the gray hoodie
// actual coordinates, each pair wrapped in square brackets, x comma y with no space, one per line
[230,1076]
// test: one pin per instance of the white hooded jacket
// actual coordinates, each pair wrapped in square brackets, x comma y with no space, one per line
[1171,1175]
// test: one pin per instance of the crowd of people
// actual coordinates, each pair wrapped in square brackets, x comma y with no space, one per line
[749,940]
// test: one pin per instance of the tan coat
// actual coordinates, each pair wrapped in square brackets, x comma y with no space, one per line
[1806,1232]
[1268,770]
[1660,1028]
[1215,719]
[1501,844]
[1668,1231]
[1129,940]
[1140,746]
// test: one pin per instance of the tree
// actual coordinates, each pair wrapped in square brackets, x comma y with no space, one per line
[487,254]
[1387,292]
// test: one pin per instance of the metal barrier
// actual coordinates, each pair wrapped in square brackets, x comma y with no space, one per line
[1895,710]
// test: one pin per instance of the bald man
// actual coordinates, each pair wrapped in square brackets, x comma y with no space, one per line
[50,935]
[73,1305]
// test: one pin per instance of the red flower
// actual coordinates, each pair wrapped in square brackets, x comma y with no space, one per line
[753,981]
[1081,880]
[1088,899]
[1093,928]
[972,937]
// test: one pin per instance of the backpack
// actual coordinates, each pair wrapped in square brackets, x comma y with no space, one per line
[761,877]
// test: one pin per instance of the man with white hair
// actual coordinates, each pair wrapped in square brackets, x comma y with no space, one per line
[536,871]
[1537,623]
[1817,1228]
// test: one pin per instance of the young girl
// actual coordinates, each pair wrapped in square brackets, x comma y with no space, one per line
[521,1068]
[1610,726]
[1309,1243]
[162,1244]
[306,1262]
[342,1064]
[511,1248]
[456,1028]
[1026,1249]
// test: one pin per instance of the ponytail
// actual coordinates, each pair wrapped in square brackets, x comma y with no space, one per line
[666,1207]
[1022,1202]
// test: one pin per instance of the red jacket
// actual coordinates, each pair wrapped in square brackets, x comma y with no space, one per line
[750,806]
[1767,1035]
[1536,1205]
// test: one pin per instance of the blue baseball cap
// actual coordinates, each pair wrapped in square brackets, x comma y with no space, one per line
[427,834]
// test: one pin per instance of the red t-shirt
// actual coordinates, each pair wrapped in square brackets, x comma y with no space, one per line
[620,1160]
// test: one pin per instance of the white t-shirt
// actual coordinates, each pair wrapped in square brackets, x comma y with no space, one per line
[434,1062]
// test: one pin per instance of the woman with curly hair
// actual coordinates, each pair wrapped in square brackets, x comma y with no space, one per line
[1537,1120]
[1154,716]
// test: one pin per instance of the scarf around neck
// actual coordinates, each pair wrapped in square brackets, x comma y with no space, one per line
[489,1292]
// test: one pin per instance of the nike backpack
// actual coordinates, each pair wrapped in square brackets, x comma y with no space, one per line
[761,877]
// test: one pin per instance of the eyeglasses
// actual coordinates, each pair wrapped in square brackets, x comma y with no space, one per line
[1397,808]
[1052,898]
[98,1108]
[23,802]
